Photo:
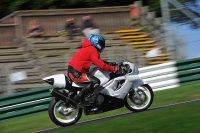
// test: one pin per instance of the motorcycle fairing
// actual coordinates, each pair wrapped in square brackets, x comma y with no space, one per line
[123,90]
[109,103]
[138,83]
[102,75]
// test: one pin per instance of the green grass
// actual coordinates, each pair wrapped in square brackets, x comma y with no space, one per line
[181,119]
[40,121]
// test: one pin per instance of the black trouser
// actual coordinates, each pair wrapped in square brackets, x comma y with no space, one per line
[87,78]
[72,31]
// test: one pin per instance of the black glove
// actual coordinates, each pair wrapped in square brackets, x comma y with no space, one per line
[119,70]
[112,63]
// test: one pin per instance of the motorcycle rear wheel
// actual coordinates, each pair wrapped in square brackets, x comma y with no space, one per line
[140,102]
[65,117]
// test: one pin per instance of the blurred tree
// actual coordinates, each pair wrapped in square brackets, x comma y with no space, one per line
[9,6]
[3,8]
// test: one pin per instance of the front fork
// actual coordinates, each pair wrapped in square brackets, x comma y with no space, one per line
[134,89]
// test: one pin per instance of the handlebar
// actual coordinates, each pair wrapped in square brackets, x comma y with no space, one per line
[124,68]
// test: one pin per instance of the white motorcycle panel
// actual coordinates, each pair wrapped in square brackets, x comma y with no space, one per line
[59,80]
[110,87]
[103,76]
[138,83]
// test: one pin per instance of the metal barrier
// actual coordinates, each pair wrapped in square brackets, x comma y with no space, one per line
[188,71]
[24,103]
[172,74]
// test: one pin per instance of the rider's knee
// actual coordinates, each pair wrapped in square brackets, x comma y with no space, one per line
[96,85]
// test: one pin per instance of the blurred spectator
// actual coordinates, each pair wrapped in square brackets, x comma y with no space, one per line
[18,76]
[154,52]
[34,29]
[88,27]
[71,27]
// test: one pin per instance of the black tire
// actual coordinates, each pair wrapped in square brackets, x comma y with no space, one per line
[62,122]
[137,107]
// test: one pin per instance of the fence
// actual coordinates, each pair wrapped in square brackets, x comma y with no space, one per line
[159,77]
[106,18]
[7,34]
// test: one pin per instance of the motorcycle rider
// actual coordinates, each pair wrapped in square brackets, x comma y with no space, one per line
[80,63]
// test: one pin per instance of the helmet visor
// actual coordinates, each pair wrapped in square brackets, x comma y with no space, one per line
[102,44]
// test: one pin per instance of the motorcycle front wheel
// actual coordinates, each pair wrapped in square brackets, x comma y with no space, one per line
[62,114]
[140,99]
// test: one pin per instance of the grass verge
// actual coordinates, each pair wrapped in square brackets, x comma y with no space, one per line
[41,121]
[181,119]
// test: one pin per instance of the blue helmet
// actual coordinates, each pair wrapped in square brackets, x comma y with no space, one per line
[98,41]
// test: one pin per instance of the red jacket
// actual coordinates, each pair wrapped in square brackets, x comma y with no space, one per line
[87,56]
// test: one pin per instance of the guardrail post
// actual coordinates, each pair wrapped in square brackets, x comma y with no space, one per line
[9,88]
[2,81]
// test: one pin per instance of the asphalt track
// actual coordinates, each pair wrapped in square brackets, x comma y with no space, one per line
[115,116]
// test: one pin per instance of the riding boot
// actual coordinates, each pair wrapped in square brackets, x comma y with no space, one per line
[80,98]
[83,93]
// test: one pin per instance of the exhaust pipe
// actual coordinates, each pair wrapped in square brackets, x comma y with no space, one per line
[63,97]
[59,95]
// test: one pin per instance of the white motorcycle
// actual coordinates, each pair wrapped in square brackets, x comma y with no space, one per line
[118,90]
